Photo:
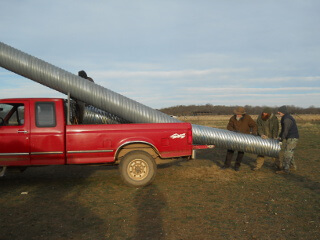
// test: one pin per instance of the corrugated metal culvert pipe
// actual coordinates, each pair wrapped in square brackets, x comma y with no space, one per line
[118,105]
[94,115]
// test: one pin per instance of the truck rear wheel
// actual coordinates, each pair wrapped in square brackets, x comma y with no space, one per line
[138,168]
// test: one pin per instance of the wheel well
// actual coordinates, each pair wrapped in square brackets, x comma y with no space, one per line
[136,146]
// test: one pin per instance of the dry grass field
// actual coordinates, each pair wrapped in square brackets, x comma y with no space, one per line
[189,199]
[220,121]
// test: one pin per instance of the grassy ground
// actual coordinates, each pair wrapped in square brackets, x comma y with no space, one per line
[188,200]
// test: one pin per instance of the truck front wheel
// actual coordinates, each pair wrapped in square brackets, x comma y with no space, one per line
[138,168]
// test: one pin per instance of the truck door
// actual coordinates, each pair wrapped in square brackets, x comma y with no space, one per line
[14,133]
[47,138]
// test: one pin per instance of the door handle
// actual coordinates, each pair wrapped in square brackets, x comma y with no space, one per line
[22,131]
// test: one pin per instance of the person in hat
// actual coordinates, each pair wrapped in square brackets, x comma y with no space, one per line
[84,75]
[289,136]
[242,123]
[268,127]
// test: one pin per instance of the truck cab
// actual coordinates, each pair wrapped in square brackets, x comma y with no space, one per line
[32,132]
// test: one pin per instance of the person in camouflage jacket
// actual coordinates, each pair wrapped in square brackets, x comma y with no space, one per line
[268,127]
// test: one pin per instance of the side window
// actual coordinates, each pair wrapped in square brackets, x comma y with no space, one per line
[12,114]
[45,114]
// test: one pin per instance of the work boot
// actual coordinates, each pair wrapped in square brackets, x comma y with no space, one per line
[228,159]
[259,162]
[238,161]
[293,168]
[278,165]
[278,168]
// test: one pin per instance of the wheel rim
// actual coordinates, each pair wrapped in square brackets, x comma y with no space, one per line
[138,169]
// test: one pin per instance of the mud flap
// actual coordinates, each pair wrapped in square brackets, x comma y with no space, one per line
[199,147]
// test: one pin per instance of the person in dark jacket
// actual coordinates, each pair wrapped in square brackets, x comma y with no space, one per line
[84,75]
[289,136]
[268,127]
[243,123]
[80,106]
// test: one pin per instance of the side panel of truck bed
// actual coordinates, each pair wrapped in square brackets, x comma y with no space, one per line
[99,143]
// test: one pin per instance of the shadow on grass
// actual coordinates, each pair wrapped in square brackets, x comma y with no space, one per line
[149,201]
[44,204]
[217,156]
[303,181]
[177,163]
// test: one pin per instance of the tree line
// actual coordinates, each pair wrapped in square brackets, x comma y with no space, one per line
[209,109]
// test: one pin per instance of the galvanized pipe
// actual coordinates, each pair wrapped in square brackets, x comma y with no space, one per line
[235,141]
[79,88]
[130,110]
[94,115]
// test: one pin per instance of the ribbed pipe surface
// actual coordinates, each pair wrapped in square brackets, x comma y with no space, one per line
[130,110]
[94,115]
[235,141]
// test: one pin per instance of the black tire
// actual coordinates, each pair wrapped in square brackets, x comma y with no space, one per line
[138,168]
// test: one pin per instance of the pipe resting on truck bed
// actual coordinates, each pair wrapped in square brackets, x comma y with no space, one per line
[94,115]
[118,105]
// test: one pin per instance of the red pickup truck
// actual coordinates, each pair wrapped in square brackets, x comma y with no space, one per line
[35,132]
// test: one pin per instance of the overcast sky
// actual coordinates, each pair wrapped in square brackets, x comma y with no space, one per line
[164,53]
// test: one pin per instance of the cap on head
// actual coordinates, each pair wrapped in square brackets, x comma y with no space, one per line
[283,109]
[267,110]
[239,111]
